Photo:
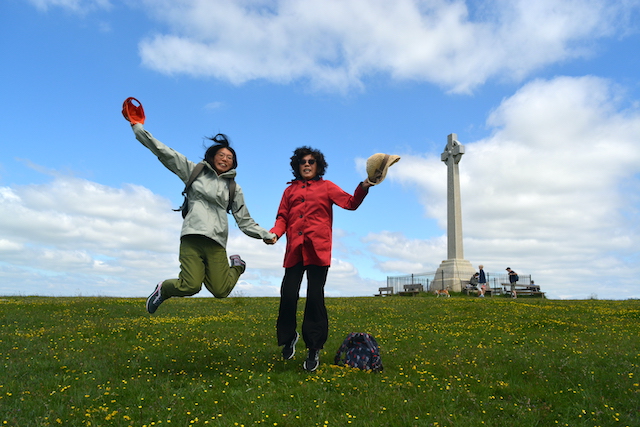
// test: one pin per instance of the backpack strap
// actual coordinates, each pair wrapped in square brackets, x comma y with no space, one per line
[194,174]
[232,193]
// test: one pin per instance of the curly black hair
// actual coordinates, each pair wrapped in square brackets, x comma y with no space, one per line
[300,153]
[221,141]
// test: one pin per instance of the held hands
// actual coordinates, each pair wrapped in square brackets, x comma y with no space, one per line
[271,241]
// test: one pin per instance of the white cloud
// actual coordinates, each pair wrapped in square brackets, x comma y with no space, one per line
[71,212]
[335,44]
[216,105]
[405,254]
[78,6]
[73,236]
[548,193]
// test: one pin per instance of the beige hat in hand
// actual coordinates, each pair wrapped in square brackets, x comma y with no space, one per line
[377,166]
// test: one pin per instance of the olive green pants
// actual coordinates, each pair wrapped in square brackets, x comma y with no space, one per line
[202,260]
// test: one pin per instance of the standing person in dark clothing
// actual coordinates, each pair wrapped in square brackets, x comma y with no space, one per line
[513,279]
[305,215]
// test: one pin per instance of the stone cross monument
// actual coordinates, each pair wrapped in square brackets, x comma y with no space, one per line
[454,269]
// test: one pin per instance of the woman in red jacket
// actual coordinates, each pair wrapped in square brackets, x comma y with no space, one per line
[306,216]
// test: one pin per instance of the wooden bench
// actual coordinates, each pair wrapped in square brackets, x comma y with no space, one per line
[522,290]
[387,290]
[494,291]
[530,292]
[467,287]
[412,289]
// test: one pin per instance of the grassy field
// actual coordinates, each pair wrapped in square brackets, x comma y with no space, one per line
[457,361]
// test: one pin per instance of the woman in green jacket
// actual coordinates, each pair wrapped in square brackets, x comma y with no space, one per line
[203,239]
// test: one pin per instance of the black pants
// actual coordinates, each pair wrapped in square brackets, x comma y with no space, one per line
[315,325]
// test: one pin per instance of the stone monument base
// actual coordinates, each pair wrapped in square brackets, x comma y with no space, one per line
[451,274]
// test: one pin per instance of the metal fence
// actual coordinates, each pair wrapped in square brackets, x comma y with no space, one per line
[398,282]
[494,280]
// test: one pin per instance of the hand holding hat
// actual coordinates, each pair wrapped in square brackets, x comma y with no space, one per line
[377,166]
[133,113]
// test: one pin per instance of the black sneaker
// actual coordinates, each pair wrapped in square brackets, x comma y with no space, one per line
[313,360]
[155,299]
[290,349]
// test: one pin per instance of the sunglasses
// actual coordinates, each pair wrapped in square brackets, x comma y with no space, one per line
[305,161]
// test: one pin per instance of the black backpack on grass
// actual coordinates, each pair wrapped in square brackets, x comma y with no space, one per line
[360,351]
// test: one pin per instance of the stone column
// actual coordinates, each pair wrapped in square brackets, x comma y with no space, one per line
[455,269]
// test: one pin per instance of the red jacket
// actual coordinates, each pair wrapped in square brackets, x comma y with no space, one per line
[306,216]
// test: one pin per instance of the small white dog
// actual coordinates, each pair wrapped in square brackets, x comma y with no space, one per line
[442,292]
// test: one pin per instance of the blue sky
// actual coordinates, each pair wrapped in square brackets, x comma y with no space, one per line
[545,97]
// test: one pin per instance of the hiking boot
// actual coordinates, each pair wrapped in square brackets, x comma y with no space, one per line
[155,299]
[236,261]
[290,349]
[313,360]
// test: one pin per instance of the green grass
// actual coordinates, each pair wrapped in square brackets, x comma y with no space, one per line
[199,361]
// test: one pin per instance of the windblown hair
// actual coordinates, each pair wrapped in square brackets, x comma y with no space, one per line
[300,153]
[221,141]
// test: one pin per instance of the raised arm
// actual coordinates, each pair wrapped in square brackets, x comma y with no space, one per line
[346,200]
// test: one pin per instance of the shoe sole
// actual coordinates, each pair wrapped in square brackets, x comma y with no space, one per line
[311,364]
[149,304]
[295,341]
[313,368]
[150,308]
